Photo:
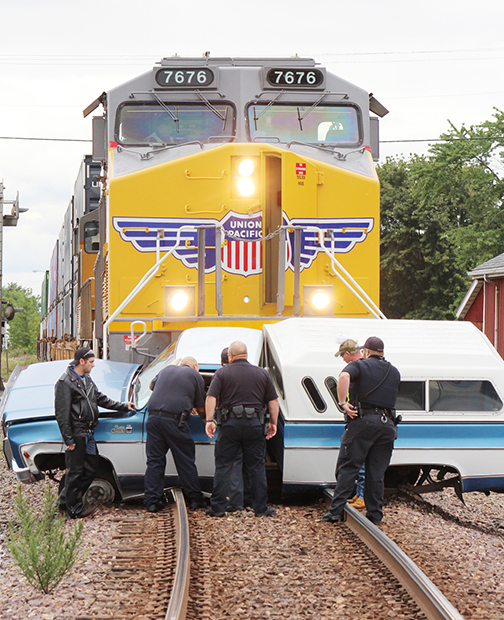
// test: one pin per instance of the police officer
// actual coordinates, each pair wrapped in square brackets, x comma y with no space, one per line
[176,392]
[373,385]
[76,401]
[244,392]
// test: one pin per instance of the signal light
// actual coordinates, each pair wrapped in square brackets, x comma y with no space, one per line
[9,312]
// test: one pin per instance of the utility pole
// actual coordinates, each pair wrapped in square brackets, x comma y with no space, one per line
[10,219]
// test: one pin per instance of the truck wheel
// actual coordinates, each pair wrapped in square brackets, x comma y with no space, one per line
[101,490]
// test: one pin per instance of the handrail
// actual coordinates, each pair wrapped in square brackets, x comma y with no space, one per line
[363,297]
[144,280]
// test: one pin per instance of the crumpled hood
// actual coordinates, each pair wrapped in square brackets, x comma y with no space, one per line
[32,394]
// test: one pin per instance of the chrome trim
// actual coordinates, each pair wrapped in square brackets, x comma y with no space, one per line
[23,474]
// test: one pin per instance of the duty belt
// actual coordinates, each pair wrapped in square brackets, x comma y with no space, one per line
[239,411]
[165,414]
[365,410]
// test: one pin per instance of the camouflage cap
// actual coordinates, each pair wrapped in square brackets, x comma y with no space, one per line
[348,346]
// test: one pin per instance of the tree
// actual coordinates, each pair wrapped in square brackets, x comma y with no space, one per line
[25,325]
[441,215]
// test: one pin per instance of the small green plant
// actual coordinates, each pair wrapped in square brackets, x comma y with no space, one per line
[38,545]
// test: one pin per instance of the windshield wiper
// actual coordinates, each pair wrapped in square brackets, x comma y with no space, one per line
[339,156]
[256,118]
[213,109]
[173,116]
[300,118]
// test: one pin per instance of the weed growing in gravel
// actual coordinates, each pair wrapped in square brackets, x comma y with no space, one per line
[38,545]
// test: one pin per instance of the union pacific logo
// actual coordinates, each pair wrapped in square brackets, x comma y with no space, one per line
[242,250]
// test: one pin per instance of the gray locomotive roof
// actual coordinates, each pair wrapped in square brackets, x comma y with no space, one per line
[238,62]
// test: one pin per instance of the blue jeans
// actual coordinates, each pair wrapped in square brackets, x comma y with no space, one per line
[359,483]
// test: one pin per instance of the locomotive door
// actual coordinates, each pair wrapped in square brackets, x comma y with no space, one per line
[272,218]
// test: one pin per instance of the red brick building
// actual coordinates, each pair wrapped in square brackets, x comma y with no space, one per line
[483,304]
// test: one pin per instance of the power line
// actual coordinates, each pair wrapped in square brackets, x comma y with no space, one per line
[44,139]
[443,139]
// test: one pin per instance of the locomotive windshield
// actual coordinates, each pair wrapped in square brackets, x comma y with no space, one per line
[163,123]
[325,124]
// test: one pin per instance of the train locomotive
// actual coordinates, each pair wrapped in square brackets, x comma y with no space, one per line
[220,191]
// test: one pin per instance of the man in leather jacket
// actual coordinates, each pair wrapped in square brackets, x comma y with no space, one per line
[76,401]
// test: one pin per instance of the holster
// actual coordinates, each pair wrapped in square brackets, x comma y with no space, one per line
[264,418]
[184,416]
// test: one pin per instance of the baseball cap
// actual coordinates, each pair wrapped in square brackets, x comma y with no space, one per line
[349,346]
[83,353]
[374,344]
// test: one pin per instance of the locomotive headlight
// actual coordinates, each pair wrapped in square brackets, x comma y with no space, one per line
[246,167]
[179,301]
[318,300]
[246,186]
[246,177]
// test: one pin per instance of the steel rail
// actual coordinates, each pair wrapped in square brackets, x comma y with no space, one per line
[177,606]
[426,595]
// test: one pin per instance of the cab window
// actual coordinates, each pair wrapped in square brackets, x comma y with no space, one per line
[91,237]
[324,124]
[153,124]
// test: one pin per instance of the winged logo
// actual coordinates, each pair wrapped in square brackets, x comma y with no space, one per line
[242,250]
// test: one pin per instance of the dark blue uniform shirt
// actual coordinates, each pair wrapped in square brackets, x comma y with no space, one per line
[365,375]
[177,389]
[242,383]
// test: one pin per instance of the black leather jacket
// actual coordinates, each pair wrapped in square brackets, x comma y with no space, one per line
[76,403]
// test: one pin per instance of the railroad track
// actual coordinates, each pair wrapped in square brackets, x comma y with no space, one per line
[149,570]
[424,593]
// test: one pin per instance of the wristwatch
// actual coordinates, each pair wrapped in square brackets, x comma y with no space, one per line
[340,407]
[208,421]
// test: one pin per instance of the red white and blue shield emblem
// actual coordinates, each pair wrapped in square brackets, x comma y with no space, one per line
[242,256]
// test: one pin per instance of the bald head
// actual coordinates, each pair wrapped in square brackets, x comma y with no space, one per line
[189,361]
[236,350]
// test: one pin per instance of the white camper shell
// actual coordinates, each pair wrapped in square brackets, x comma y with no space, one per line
[451,399]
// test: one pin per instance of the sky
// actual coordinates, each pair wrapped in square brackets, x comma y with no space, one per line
[429,63]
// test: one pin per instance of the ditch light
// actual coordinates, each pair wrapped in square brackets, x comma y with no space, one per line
[180,300]
[318,300]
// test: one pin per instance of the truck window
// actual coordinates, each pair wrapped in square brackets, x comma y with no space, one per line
[447,395]
[411,396]
[314,394]
[274,370]
[332,387]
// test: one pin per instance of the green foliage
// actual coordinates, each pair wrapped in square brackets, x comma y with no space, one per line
[38,545]
[441,215]
[25,325]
